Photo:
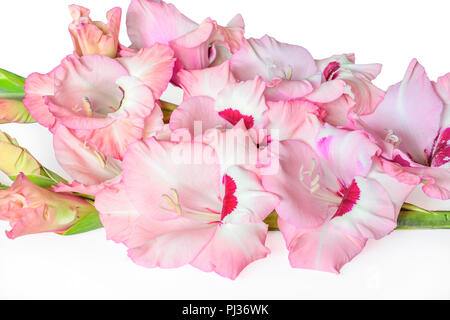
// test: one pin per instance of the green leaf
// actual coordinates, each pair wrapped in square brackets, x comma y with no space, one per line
[88,223]
[40,181]
[53,176]
[10,82]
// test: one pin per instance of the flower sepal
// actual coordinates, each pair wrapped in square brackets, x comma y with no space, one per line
[11,83]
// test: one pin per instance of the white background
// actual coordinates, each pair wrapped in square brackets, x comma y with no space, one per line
[406,264]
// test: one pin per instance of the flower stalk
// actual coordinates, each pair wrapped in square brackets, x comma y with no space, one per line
[410,218]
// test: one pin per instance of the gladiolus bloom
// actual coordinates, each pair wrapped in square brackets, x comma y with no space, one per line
[413,124]
[190,213]
[333,201]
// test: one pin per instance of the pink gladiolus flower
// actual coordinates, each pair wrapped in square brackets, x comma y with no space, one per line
[290,71]
[103,105]
[334,197]
[189,213]
[346,89]
[413,124]
[95,37]
[195,46]
[31,209]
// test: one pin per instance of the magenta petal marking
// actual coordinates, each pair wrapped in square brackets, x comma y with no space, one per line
[351,197]
[230,201]
[330,72]
[234,116]
[442,152]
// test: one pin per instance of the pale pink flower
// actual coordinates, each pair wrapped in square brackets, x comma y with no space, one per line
[31,209]
[189,213]
[289,71]
[334,197]
[412,124]
[105,102]
[346,89]
[195,46]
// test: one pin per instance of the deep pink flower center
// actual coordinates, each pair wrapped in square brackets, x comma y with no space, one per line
[442,151]
[331,71]
[230,201]
[234,116]
[350,197]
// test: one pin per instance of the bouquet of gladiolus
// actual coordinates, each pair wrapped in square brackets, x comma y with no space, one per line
[266,138]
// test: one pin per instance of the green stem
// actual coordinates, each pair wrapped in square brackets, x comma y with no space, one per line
[12,95]
[410,218]
[413,220]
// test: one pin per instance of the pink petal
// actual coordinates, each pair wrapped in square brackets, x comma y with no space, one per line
[154,123]
[192,49]
[339,111]
[366,95]
[324,249]
[150,22]
[253,202]
[233,248]
[288,89]
[196,114]
[436,182]
[270,59]
[328,91]
[412,111]
[297,206]
[398,190]
[169,244]
[81,161]
[294,119]
[245,97]
[153,66]
[167,166]
[443,90]
[237,22]
[116,212]
[334,144]
[206,82]
[37,86]
[233,146]
[373,215]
